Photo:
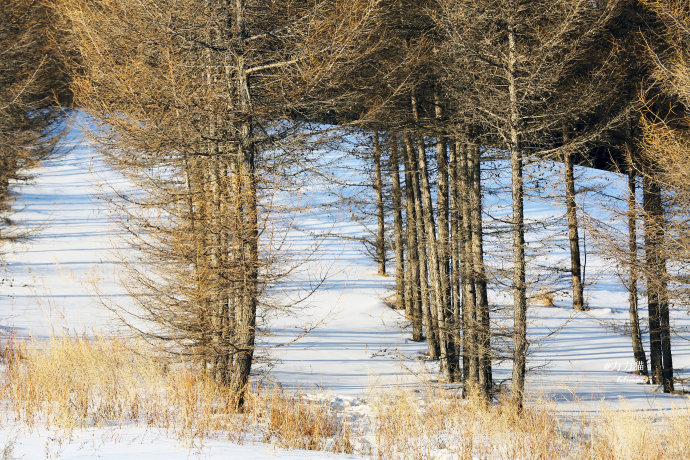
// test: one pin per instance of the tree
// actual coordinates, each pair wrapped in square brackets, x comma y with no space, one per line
[202,104]
[663,165]
[509,63]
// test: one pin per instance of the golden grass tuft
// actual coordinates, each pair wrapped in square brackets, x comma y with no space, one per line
[544,298]
[409,425]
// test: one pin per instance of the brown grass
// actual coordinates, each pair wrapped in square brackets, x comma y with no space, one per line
[408,426]
[73,383]
[544,298]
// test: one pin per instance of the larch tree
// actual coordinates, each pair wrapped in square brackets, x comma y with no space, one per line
[508,62]
[200,103]
[664,168]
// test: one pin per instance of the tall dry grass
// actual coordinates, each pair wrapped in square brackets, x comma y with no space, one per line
[72,383]
[408,426]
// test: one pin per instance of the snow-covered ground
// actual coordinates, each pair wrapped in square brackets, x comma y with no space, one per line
[136,443]
[58,280]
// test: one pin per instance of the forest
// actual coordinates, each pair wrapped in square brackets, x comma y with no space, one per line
[222,113]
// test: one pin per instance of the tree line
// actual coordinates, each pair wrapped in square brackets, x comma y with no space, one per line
[33,84]
[213,107]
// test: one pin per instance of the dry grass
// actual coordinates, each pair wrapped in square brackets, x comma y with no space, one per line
[72,383]
[390,301]
[544,298]
[630,434]
[408,426]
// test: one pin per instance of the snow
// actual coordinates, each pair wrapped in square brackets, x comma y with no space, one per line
[359,342]
[58,280]
[134,442]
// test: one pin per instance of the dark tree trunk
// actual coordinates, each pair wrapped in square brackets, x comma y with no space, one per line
[455,245]
[414,291]
[478,271]
[428,316]
[650,192]
[446,317]
[665,327]
[571,210]
[381,233]
[470,361]
[400,302]
[638,348]
[432,247]
[245,317]
[657,291]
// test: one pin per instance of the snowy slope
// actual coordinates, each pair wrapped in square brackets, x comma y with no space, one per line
[54,281]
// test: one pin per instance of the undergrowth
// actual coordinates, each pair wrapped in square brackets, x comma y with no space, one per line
[74,383]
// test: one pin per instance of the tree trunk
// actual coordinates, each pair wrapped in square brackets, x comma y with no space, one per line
[249,236]
[400,302]
[445,312]
[571,210]
[470,362]
[437,294]
[380,235]
[483,327]
[519,285]
[455,244]
[665,324]
[651,255]
[657,290]
[431,338]
[638,348]
[414,291]
[212,250]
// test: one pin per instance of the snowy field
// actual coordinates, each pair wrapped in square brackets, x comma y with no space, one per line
[57,282]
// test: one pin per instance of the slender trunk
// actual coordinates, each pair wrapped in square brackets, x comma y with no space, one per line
[665,326]
[657,289]
[249,236]
[638,348]
[571,210]
[211,202]
[470,362]
[216,289]
[445,312]
[431,338]
[400,302]
[650,191]
[478,272]
[455,244]
[203,262]
[519,285]
[414,292]
[380,235]
[432,249]
[225,242]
